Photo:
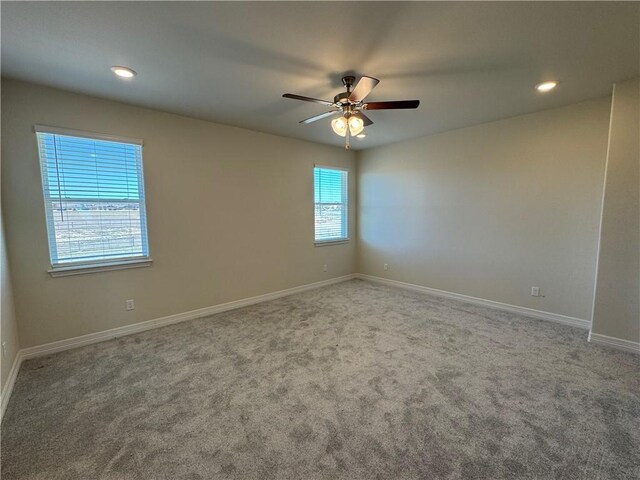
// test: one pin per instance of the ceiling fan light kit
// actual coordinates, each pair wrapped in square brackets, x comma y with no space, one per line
[351,105]
[353,124]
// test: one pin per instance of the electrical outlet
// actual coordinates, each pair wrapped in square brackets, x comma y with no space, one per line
[129,305]
[386,266]
[324,267]
[4,349]
[535,291]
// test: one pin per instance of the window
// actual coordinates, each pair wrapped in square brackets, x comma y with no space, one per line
[330,186]
[94,199]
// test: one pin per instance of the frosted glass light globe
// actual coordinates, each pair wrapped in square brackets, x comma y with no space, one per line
[356,125]
[339,126]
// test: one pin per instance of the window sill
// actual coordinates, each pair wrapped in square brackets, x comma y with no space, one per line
[324,243]
[99,267]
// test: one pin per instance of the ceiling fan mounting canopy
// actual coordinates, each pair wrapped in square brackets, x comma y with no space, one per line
[348,81]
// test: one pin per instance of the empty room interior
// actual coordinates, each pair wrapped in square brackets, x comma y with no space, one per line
[320,240]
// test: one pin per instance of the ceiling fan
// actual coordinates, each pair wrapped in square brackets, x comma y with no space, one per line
[351,105]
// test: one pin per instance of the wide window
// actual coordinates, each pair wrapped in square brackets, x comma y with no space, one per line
[330,186]
[94,198]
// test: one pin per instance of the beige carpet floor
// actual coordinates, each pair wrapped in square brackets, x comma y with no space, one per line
[353,381]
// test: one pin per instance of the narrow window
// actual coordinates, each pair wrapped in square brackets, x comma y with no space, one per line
[94,198]
[331,204]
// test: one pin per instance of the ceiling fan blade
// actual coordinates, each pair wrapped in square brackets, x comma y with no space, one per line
[367,121]
[308,99]
[363,88]
[319,117]
[392,105]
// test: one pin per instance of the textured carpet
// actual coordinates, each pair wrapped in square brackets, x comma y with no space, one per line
[352,381]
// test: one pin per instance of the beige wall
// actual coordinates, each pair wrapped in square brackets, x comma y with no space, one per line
[230,216]
[616,311]
[492,210]
[8,323]
[8,326]
[487,211]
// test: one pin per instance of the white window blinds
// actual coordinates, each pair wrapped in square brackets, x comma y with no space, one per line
[330,187]
[94,198]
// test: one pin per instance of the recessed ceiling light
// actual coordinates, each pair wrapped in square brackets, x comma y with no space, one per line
[545,87]
[124,72]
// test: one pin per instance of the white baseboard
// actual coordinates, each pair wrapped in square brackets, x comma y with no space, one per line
[613,342]
[528,312]
[8,386]
[90,338]
[97,337]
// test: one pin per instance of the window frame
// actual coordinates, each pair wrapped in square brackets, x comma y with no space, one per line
[332,241]
[99,265]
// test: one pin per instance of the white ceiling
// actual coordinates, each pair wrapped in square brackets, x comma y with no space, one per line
[467,62]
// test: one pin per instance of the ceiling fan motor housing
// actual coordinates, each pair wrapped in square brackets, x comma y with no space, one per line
[341,98]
